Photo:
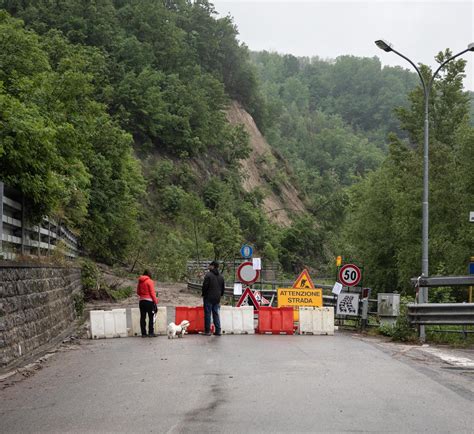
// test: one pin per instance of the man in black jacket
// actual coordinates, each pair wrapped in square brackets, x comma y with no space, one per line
[212,291]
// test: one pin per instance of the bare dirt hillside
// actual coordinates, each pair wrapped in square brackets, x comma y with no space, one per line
[266,170]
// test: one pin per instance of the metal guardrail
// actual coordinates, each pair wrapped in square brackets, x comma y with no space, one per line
[229,291]
[438,281]
[19,238]
[197,268]
[328,300]
[271,286]
[441,314]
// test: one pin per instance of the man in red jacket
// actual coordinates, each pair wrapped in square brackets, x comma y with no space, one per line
[148,303]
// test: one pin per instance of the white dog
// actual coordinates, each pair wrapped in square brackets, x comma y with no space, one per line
[177,330]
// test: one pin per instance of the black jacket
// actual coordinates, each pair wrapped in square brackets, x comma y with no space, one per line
[213,286]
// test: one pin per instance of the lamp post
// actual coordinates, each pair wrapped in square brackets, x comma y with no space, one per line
[385,46]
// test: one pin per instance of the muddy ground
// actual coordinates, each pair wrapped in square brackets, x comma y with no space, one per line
[169,294]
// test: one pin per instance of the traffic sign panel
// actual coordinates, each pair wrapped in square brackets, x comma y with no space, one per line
[246,251]
[260,298]
[247,274]
[300,297]
[347,304]
[248,299]
[303,281]
[349,275]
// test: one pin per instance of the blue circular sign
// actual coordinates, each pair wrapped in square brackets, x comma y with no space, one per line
[246,251]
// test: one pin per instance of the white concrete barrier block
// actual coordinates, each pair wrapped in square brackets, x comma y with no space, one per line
[135,316]
[97,324]
[237,321]
[109,322]
[226,319]
[316,321]
[328,320]
[120,320]
[161,321]
[248,320]
[305,320]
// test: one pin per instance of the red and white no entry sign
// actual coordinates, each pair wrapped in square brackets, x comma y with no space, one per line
[246,274]
[349,275]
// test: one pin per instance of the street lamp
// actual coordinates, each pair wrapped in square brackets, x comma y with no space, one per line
[385,46]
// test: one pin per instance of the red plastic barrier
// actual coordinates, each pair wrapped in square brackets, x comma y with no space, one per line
[195,316]
[275,320]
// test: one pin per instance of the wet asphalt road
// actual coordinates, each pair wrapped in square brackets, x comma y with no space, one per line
[234,384]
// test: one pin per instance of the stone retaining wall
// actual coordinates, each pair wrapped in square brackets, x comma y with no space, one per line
[36,306]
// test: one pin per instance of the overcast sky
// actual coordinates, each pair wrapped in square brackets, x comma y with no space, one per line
[418,29]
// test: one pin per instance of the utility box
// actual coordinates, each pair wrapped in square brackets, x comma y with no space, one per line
[388,307]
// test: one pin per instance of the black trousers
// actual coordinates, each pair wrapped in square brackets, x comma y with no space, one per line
[146,307]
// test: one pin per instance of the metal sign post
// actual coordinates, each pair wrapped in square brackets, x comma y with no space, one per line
[471,271]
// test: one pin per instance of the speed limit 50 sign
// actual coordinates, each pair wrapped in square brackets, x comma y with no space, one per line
[349,275]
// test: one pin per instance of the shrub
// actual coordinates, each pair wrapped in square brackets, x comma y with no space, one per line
[171,199]
[90,276]
[120,294]
[78,300]
[92,284]
[402,330]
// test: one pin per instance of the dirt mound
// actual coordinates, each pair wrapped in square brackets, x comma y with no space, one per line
[169,294]
[266,170]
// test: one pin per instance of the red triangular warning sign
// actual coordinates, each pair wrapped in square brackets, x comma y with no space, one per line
[303,281]
[248,299]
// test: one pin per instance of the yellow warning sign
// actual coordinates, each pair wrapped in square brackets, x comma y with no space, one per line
[300,297]
[303,281]
[303,293]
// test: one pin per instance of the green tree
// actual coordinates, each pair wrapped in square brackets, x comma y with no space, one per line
[303,244]
[59,145]
[390,206]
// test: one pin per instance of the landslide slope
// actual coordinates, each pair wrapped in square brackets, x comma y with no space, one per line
[265,169]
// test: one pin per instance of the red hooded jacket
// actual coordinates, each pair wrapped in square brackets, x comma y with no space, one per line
[146,289]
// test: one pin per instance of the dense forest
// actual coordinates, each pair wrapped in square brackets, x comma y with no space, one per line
[386,205]
[112,116]
[331,120]
[354,130]
[104,105]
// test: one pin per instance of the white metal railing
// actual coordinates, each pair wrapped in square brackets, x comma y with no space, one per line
[18,238]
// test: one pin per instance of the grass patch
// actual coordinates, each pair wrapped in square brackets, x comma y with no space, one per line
[78,300]
[455,337]
[120,294]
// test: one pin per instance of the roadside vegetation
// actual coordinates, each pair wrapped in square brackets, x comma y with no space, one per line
[457,336]
[354,131]
[95,286]
[112,117]
[402,331]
